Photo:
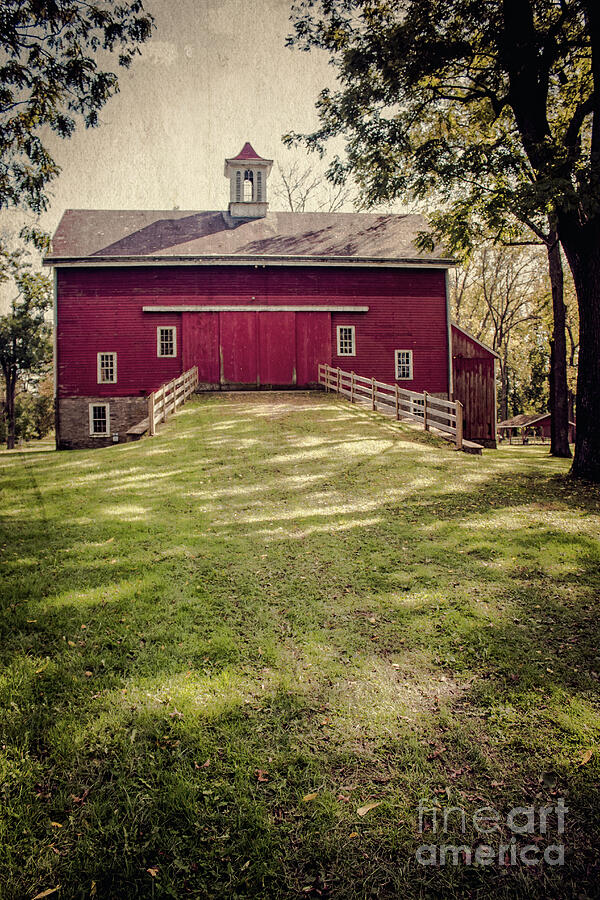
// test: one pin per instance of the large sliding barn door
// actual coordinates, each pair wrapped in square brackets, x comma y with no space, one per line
[276,349]
[257,349]
[201,347]
[238,349]
[313,345]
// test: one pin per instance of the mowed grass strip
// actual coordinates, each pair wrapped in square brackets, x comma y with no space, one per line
[219,644]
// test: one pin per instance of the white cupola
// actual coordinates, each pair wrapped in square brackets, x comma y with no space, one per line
[248,173]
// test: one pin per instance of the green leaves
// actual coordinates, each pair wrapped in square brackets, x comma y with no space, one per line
[25,345]
[430,100]
[50,76]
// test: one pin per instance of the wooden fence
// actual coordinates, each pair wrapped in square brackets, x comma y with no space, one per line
[432,412]
[167,398]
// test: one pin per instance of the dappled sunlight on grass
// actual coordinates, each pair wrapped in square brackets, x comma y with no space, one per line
[355,447]
[325,528]
[518,518]
[114,592]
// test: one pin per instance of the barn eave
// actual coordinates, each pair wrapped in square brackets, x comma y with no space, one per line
[238,260]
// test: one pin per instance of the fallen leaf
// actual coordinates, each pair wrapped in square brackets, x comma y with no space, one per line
[47,893]
[81,799]
[585,757]
[262,776]
[363,810]
[353,834]
[206,764]
[88,674]
[56,824]
[153,870]
[308,797]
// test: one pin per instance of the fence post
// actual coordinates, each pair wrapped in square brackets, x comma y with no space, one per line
[338,380]
[326,378]
[151,429]
[459,425]
[351,387]
[397,402]
[373,405]
[425,422]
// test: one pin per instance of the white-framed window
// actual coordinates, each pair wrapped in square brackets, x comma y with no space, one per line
[248,185]
[99,419]
[107,368]
[166,340]
[346,344]
[404,365]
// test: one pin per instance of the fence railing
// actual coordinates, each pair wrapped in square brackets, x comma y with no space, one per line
[431,412]
[167,398]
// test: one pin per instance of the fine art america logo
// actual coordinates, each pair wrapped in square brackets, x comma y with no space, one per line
[521,837]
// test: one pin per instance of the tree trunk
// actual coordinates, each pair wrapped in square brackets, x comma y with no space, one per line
[559,405]
[11,385]
[503,389]
[582,249]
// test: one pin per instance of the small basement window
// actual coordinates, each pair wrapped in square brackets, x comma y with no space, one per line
[404,365]
[345,340]
[107,368]
[417,407]
[166,340]
[99,419]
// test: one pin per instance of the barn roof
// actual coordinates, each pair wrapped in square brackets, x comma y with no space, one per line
[104,237]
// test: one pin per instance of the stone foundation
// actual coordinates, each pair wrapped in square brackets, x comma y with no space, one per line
[73,421]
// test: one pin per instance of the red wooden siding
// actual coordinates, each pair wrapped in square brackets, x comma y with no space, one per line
[101,310]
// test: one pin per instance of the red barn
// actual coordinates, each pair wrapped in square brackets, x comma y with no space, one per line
[253,298]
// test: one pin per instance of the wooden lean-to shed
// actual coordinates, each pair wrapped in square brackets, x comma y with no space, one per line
[474,384]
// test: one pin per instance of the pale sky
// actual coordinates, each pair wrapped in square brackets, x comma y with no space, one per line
[216,74]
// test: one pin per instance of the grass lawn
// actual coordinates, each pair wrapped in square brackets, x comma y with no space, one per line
[221,644]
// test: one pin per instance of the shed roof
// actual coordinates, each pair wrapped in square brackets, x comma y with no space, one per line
[525,419]
[99,236]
